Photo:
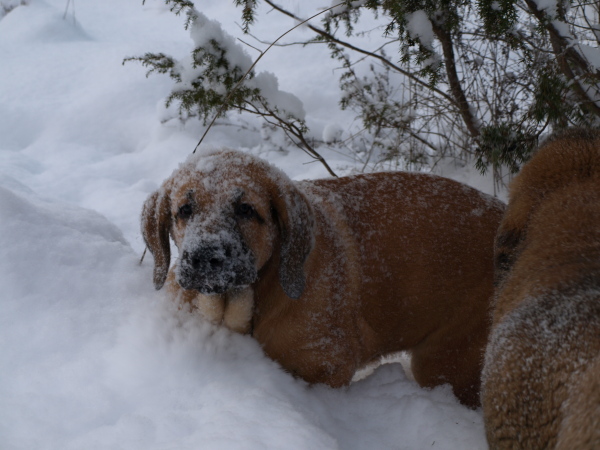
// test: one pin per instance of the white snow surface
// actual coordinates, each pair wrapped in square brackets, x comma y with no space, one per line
[91,356]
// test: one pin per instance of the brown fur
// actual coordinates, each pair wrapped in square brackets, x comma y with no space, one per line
[347,269]
[542,369]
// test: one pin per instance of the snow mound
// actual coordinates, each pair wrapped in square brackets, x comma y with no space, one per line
[45,24]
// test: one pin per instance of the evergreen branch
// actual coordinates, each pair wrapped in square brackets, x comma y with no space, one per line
[238,84]
[569,59]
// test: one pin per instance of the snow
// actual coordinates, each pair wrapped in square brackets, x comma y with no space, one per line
[332,132]
[419,27]
[91,355]
[548,6]
[205,33]
[591,54]
[284,101]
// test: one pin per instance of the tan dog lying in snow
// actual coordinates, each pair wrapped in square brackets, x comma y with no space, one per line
[542,366]
[329,275]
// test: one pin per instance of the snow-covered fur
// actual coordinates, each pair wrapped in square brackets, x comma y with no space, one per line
[541,379]
[329,275]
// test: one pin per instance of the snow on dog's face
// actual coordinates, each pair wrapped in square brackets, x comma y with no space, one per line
[228,213]
[209,232]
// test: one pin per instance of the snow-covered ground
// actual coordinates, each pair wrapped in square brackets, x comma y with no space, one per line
[91,357]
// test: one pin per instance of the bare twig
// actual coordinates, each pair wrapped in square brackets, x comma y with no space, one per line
[249,45]
[288,128]
[67,10]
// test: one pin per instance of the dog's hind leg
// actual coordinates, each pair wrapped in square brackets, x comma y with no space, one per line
[453,356]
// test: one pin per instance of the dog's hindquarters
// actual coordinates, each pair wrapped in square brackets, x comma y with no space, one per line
[425,247]
[545,339]
[533,362]
[580,427]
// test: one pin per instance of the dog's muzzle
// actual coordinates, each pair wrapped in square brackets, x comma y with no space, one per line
[215,268]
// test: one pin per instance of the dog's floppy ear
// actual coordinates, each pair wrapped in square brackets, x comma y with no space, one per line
[156,223]
[296,227]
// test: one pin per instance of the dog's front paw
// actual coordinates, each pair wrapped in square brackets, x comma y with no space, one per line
[239,307]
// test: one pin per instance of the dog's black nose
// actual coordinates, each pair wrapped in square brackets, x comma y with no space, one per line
[215,267]
[205,258]
[216,263]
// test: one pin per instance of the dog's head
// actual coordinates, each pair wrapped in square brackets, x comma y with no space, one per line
[228,213]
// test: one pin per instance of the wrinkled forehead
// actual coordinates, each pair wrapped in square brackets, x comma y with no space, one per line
[218,179]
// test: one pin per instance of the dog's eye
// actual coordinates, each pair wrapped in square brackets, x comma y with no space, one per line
[244,210]
[185,211]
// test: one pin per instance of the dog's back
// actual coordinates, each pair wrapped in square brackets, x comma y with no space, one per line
[425,251]
[542,365]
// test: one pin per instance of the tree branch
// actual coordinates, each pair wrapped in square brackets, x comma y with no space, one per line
[334,40]
[459,98]
[568,59]
[289,127]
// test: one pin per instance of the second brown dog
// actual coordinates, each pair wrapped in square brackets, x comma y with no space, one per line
[542,366]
